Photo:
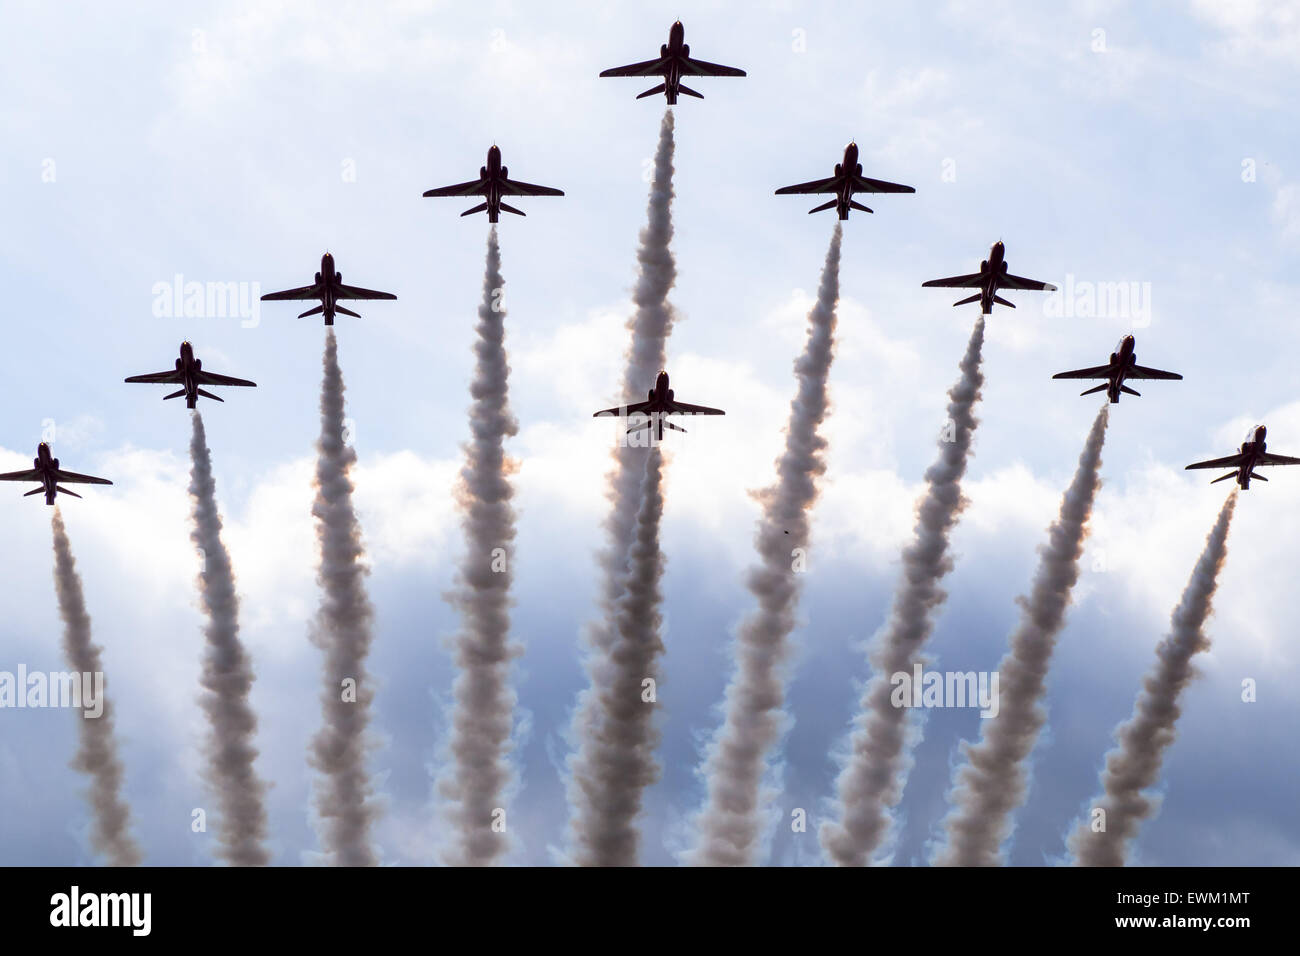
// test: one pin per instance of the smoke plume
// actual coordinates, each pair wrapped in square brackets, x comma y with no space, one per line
[871,782]
[992,782]
[1134,765]
[730,824]
[97,746]
[484,702]
[227,677]
[343,631]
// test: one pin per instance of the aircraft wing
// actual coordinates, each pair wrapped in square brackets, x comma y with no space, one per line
[355,292]
[28,475]
[704,68]
[1029,285]
[512,187]
[973,281]
[686,408]
[474,188]
[630,409]
[212,378]
[73,478]
[159,378]
[1232,461]
[862,184]
[653,67]
[1269,458]
[305,292]
[1141,371]
[816,186]
[1097,371]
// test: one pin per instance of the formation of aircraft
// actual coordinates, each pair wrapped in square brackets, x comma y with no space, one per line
[328,287]
[993,275]
[46,470]
[493,182]
[1254,454]
[673,62]
[659,404]
[848,179]
[1122,365]
[189,374]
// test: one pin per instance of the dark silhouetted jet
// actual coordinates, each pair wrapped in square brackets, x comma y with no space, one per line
[492,183]
[674,62]
[189,375]
[992,276]
[848,179]
[660,403]
[329,289]
[47,472]
[1123,365]
[1254,453]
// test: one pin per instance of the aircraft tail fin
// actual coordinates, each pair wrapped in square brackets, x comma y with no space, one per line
[479,208]
[517,212]
[1130,391]
[316,311]
[1001,301]
[207,394]
[339,308]
[174,395]
[651,92]
[853,204]
[969,299]
[34,491]
[64,491]
[823,207]
[1094,391]
[1231,474]
[689,92]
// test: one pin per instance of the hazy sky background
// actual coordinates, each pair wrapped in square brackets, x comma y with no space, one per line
[217,141]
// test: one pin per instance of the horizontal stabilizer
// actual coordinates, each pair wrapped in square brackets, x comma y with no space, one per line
[207,394]
[339,308]
[651,92]
[174,395]
[1231,474]
[1130,391]
[858,206]
[637,428]
[479,208]
[1001,301]
[517,212]
[676,428]
[1255,474]
[689,92]
[969,299]
[34,491]
[823,207]
[64,491]
[316,311]
[1093,391]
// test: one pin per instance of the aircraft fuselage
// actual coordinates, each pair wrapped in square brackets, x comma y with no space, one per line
[1121,360]
[329,282]
[1252,449]
[48,468]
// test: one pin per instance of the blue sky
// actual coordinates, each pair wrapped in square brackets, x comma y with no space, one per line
[213,142]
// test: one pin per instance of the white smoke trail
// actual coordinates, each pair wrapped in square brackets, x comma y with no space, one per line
[227,676]
[871,782]
[729,826]
[343,631]
[992,782]
[596,835]
[1134,765]
[97,745]
[484,702]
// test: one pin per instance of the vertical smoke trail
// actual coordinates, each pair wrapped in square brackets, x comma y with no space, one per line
[343,632]
[1134,765]
[484,702]
[992,782]
[623,744]
[594,769]
[871,782]
[97,747]
[730,823]
[227,677]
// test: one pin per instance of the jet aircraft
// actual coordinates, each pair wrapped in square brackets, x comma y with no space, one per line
[1254,454]
[493,183]
[189,374]
[328,287]
[48,473]
[992,276]
[660,403]
[1122,365]
[848,179]
[673,62]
